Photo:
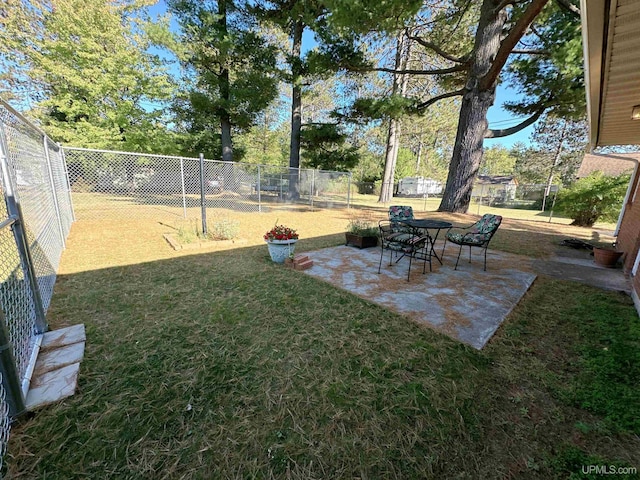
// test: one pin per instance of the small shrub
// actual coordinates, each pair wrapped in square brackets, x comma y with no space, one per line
[224,229]
[362,226]
[596,197]
[188,230]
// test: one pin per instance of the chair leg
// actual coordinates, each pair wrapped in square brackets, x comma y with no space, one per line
[485,259]
[381,255]
[409,271]
[458,259]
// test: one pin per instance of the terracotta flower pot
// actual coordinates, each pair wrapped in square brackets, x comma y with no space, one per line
[606,257]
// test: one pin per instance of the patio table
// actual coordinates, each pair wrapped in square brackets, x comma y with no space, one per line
[427,224]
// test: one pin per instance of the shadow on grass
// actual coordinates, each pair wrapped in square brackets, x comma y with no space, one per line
[227,365]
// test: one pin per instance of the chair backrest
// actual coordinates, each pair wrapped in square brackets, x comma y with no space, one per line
[400,213]
[488,224]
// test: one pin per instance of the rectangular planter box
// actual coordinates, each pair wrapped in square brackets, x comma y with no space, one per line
[360,241]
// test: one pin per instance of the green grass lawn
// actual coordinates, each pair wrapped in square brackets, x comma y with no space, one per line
[225,365]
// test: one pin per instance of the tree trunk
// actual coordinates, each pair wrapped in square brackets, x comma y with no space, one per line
[472,125]
[224,89]
[391,155]
[227,147]
[556,160]
[400,82]
[296,109]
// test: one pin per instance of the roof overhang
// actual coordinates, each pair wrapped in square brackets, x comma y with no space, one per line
[611,42]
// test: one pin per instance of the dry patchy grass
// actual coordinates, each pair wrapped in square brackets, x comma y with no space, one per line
[223,365]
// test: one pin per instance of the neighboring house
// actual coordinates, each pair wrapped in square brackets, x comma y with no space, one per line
[611,34]
[612,165]
[501,188]
[419,186]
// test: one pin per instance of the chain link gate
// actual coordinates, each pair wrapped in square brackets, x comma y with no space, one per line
[35,219]
[112,184]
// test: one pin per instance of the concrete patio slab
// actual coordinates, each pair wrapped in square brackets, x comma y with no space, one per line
[467,304]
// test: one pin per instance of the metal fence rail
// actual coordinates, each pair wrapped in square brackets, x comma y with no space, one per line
[506,197]
[109,183]
[35,219]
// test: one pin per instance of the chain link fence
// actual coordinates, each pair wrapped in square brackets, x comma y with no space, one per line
[110,183]
[5,422]
[35,219]
[504,199]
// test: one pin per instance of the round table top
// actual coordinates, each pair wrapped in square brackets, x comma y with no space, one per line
[427,223]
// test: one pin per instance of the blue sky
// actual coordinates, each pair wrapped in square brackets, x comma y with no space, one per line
[499,118]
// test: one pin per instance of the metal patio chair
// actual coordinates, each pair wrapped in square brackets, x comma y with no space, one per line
[394,238]
[399,214]
[477,235]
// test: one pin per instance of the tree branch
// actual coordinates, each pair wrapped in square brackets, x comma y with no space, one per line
[569,7]
[510,42]
[437,49]
[437,98]
[506,3]
[437,71]
[490,133]
[529,52]
[503,4]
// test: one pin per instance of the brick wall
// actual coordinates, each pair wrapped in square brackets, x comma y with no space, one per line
[629,235]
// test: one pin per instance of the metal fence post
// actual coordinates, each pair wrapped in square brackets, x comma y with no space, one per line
[184,196]
[480,198]
[313,186]
[203,205]
[259,191]
[10,377]
[349,190]
[68,181]
[14,210]
[53,190]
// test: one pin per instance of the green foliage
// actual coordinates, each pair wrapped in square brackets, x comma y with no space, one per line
[394,106]
[558,146]
[97,85]
[405,164]
[362,16]
[325,148]
[189,230]
[363,226]
[223,228]
[497,160]
[264,143]
[596,197]
[553,77]
[230,72]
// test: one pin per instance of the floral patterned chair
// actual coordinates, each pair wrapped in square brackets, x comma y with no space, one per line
[394,238]
[477,235]
[399,214]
